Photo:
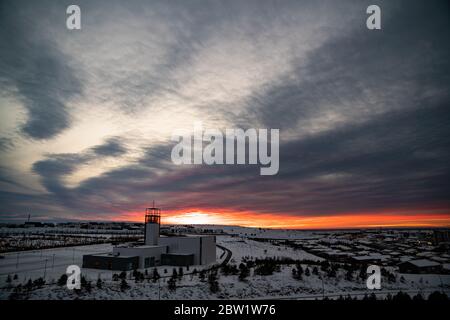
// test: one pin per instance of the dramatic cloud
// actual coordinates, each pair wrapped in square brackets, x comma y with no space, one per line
[363,115]
[34,69]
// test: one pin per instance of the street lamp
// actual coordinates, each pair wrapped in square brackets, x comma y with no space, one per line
[45,268]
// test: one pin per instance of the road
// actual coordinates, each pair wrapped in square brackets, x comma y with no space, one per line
[228,252]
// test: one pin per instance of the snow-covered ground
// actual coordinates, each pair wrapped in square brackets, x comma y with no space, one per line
[242,247]
[280,285]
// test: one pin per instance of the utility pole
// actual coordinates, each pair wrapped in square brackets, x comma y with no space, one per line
[159,288]
[323,288]
[53,261]
[45,268]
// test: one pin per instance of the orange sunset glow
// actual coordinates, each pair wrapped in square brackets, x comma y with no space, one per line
[440,218]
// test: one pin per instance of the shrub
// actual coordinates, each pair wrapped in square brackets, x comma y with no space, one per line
[124,285]
[62,280]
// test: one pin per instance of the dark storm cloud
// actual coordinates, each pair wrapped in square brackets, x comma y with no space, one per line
[112,147]
[35,70]
[390,151]
[366,72]
[56,167]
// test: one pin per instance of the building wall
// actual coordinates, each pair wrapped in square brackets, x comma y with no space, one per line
[208,249]
[151,234]
[110,262]
[203,247]
[143,252]
[183,245]
[177,260]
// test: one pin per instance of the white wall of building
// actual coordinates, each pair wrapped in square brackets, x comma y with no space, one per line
[142,252]
[208,247]
[203,247]
[151,234]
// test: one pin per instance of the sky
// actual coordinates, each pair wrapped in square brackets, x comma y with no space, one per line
[86,116]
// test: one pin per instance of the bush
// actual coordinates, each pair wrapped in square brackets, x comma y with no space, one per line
[172,283]
[124,285]
[418,297]
[202,275]
[307,272]
[438,296]
[315,271]
[401,296]
[62,280]
[40,282]
[244,272]
[266,267]
[213,283]
[156,275]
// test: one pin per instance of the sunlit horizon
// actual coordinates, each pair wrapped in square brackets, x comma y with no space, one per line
[439,219]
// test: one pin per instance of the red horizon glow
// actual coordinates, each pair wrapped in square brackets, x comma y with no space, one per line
[388,218]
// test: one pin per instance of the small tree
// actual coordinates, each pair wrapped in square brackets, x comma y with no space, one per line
[62,280]
[401,296]
[307,272]
[40,282]
[438,296]
[202,275]
[299,269]
[315,271]
[349,275]
[418,297]
[363,273]
[213,283]
[172,284]
[244,272]
[99,283]
[29,285]
[88,286]
[156,275]
[180,272]
[124,285]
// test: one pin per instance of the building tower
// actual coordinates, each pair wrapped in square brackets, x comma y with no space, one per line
[152,222]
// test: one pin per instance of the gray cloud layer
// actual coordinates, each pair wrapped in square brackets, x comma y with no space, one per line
[367,113]
[35,70]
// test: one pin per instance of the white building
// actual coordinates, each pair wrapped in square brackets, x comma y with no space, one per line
[180,250]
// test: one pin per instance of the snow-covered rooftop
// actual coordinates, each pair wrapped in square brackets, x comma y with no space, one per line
[424,263]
